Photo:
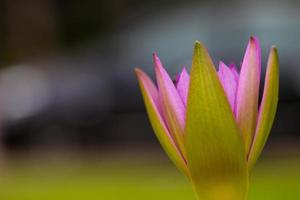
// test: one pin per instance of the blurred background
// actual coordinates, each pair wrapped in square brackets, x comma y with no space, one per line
[73,124]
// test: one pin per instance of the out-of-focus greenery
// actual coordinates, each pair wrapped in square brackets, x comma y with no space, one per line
[125,177]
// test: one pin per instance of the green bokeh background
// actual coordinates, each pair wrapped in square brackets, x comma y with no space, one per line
[131,176]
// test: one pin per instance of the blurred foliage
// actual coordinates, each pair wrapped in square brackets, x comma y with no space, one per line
[119,176]
[80,20]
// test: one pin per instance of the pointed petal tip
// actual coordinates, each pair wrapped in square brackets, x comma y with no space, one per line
[155,55]
[141,75]
[198,45]
[184,70]
[253,38]
[138,72]
[274,49]
[157,62]
[158,68]
[222,64]
[255,44]
[199,48]
[273,53]
[254,41]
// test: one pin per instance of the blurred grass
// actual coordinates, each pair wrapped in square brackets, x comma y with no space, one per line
[126,176]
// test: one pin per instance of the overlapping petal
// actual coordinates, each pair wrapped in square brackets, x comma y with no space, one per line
[229,82]
[215,150]
[267,108]
[151,100]
[248,91]
[183,85]
[235,72]
[172,105]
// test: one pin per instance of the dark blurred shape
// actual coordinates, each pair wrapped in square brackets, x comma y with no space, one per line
[81,20]
[30,29]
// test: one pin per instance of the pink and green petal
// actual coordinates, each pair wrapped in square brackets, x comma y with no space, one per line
[215,149]
[267,108]
[172,105]
[229,83]
[248,91]
[151,99]
[183,85]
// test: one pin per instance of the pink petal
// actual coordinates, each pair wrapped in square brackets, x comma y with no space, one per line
[151,100]
[267,109]
[248,91]
[151,91]
[183,85]
[172,105]
[176,79]
[229,83]
[233,68]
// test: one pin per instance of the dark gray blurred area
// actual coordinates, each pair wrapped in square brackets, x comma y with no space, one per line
[67,66]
